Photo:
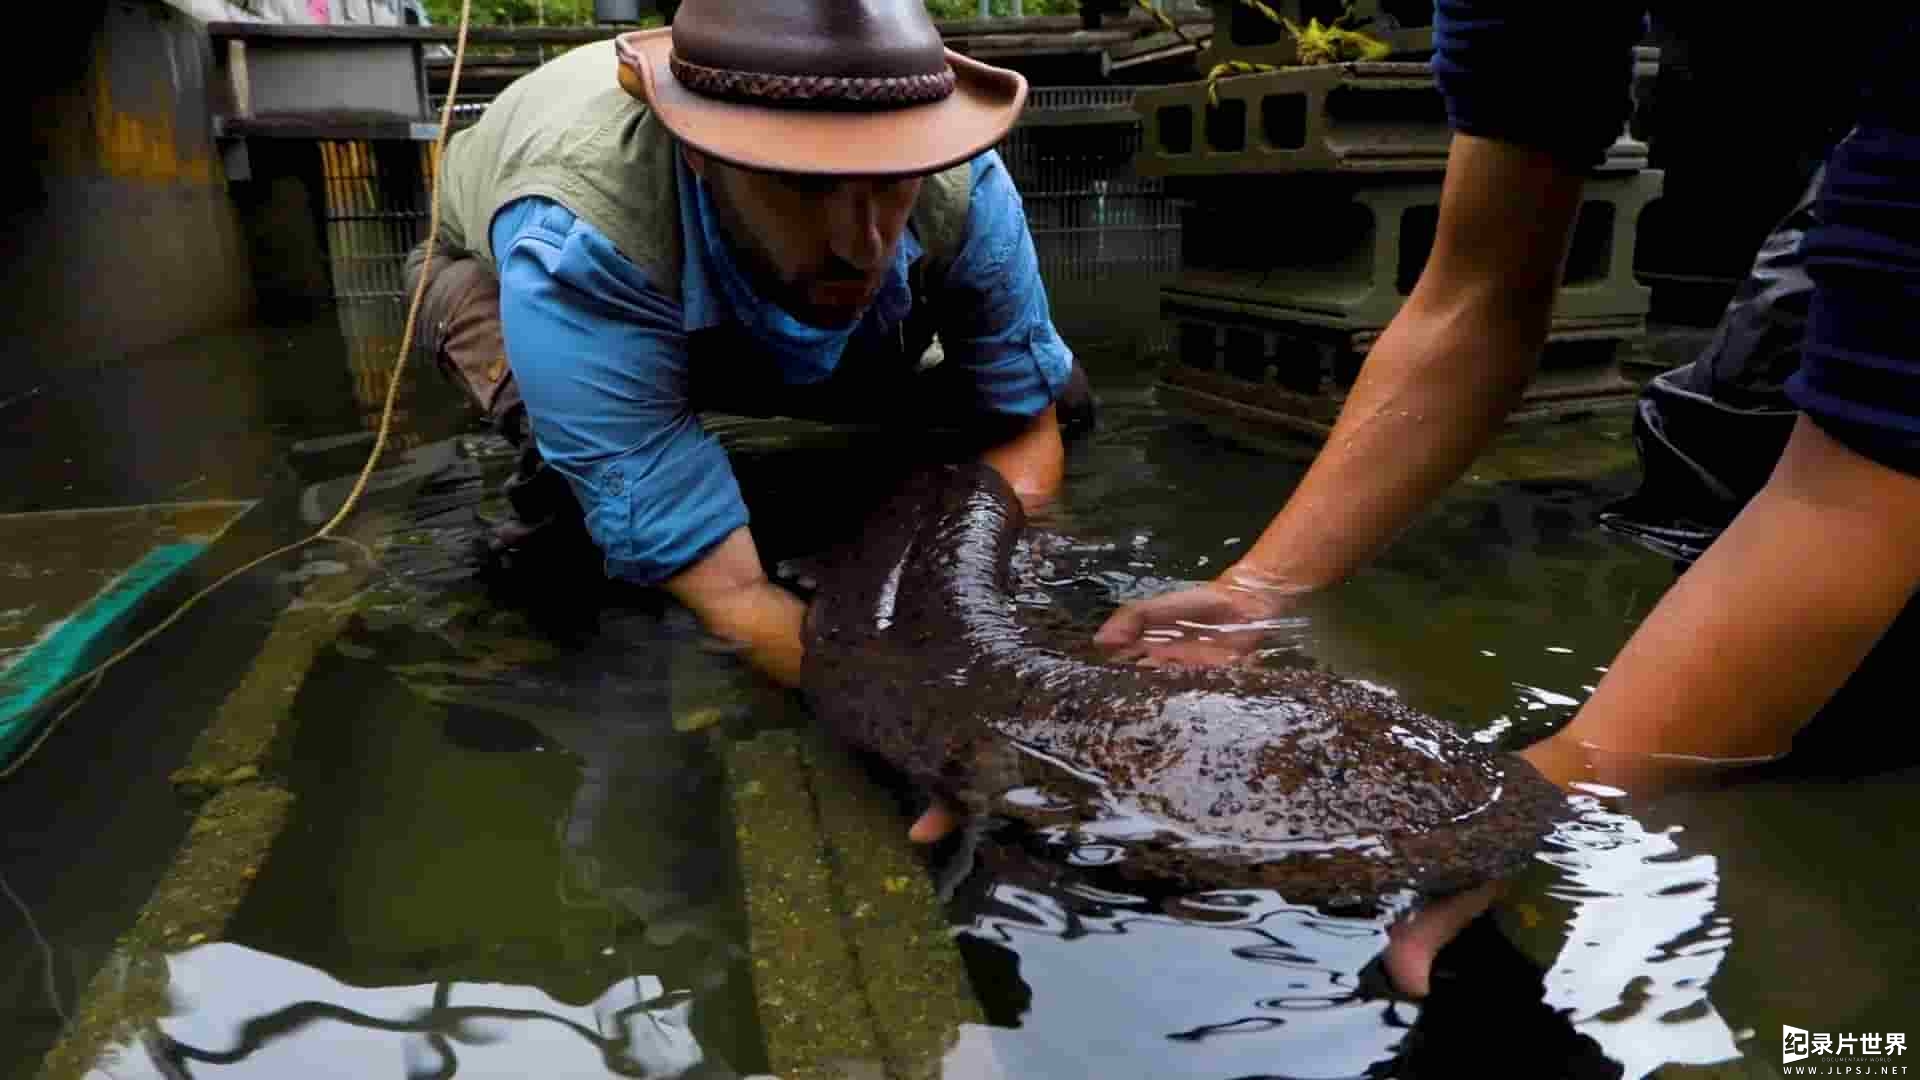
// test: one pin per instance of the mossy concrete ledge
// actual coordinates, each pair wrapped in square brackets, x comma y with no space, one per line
[209,877]
[855,975]
[241,809]
[238,745]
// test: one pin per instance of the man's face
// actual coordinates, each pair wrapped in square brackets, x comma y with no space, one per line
[817,246]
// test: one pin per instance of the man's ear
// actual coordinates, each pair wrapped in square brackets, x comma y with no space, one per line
[696,160]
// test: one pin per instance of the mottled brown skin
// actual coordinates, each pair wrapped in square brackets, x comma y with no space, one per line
[1320,788]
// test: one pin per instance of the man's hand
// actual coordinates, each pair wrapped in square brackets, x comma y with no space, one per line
[730,594]
[1220,622]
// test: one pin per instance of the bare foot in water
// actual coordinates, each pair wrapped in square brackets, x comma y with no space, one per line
[1414,941]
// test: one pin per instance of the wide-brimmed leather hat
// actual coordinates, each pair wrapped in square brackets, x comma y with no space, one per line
[821,87]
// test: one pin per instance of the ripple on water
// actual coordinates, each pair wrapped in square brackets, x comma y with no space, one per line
[1113,983]
[1643,941]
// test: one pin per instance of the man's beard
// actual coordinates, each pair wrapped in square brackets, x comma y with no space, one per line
[796,296]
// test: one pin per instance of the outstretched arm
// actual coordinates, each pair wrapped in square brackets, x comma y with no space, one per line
[600,358]
[1434,391]
[1758,634]
[1444,374]
[730,593]
[1533,99]
[1779,612]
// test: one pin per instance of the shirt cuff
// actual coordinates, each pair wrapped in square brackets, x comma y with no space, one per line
[999,326]
[1859,377]
[655,519]
[1550,77]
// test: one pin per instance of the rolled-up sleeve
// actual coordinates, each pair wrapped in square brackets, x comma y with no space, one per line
[1551,77]
[995,321]
[600,359]
[1859,377]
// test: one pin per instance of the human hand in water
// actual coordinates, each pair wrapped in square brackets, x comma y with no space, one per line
[934,823]
[1221,622]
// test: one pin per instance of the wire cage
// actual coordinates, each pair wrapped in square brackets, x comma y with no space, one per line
[1106,238]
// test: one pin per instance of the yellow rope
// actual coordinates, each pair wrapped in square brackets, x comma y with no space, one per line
[91,679]
[1166,22]
[1232,67]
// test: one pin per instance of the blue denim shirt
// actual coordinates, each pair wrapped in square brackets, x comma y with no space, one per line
[1558,78]
[600,356]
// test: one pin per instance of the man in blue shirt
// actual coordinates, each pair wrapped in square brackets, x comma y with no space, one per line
[1779,612]
[769,209]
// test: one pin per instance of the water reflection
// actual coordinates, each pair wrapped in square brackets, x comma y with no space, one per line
[1087,977]
[1643,942]
[1226,984]
[235,1011]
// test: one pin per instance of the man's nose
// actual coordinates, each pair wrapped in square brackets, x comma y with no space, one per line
[853,217]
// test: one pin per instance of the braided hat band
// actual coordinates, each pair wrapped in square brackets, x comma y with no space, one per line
[763,88]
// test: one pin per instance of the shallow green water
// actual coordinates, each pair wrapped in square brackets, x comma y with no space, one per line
[508,859]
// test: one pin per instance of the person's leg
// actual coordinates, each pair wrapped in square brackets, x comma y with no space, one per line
[459,328]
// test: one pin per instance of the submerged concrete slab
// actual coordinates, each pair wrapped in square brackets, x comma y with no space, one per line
[75,580]
[216,865]
[855,973]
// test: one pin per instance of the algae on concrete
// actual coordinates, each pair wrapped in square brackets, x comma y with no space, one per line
[854,967]
[915,983]
[812,1005]
[255,716]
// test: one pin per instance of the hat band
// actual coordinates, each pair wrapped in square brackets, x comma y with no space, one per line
[769,89]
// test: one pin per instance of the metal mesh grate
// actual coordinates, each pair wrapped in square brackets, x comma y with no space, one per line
[1080,97]
[375,213]
[1107,238]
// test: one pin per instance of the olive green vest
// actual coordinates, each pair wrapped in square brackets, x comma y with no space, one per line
[568,131]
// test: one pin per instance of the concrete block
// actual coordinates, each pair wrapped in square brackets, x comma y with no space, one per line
[1382,117]
[1291,379]
[1344,254]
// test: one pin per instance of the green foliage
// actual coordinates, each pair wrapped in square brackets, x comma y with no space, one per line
[969,9]
[514,12]
[580,12]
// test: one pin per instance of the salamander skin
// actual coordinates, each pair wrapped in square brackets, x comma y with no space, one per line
[1324,789]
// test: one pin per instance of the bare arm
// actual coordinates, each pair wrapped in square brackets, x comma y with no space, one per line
[1758,634]
[1739,654]
[1442,377]
[1033,460]
[1433,392]
[729,592]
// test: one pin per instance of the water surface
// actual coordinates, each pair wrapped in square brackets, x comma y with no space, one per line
[511,853]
